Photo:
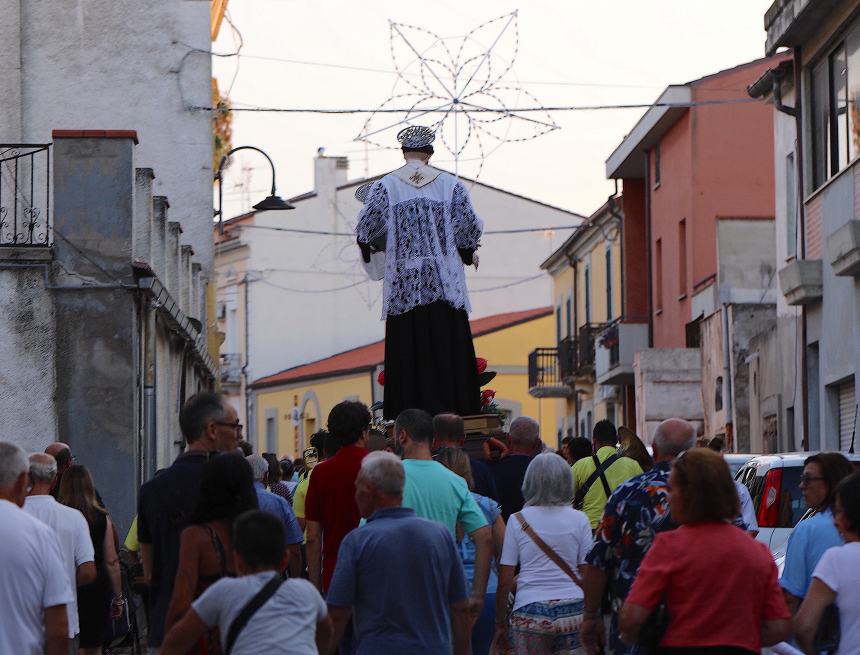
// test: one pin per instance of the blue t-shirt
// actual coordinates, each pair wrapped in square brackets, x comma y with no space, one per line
[411,612]
[491,511]
[439,494]
[806,544]
[274,504]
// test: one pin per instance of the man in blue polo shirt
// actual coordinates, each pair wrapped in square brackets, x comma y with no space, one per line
[274,504]
[423,608]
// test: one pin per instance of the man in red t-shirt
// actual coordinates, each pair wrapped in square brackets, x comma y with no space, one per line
[330,509]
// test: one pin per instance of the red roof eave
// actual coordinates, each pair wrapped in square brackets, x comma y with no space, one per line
[365,358]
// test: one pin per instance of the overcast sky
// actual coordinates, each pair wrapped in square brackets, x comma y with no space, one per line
[568,53]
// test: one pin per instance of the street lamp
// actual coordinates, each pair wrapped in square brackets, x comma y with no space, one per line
[271,203]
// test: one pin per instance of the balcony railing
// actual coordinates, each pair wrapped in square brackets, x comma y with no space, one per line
[231,368]
[567,356]
[25,195]
[585,349]
[545,380]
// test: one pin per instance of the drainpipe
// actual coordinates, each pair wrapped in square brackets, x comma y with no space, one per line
[150,445]
[649,245]
[613,211]
[801,229]
[249,427]
[620,218]
[728,405]
[573,263]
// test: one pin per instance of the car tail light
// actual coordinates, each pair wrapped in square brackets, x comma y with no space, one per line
[768,511]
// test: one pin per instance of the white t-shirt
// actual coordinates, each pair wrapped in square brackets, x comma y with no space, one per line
[839,569]
[286,623]
[73,538]
[32,578]
[747,509]
[565,530]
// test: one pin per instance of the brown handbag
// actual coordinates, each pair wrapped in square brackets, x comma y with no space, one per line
[549,552]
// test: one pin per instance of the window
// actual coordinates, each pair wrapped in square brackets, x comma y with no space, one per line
[657,164]
[718,394]
[610,412]
[608,282]
[789,430]
[658,275]
[568,316]
[835,82]
[271,431]
[558,324]
[587,275]
[682,257]
[790,206]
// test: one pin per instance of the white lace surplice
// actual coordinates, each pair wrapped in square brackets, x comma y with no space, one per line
[424,227]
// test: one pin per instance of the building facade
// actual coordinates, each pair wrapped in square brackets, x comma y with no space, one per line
[584,370]
[817,143]
[293,404]
[697,175]
[288,294]
[105,230]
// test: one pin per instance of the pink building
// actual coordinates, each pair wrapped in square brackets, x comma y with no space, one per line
[703,155]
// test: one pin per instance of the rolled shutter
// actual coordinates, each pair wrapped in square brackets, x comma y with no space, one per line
[847,414]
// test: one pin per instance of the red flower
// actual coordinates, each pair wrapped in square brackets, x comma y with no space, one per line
[481,363]
[487,396]
[381,378]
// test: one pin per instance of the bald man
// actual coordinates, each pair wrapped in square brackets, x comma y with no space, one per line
[62,454]
[69,526]
[508,472]
[634,513]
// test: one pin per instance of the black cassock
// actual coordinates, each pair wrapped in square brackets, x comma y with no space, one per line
[426,221]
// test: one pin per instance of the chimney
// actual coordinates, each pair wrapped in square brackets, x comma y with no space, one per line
[329,173]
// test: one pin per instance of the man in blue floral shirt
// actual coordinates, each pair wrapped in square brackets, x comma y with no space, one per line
[637,510]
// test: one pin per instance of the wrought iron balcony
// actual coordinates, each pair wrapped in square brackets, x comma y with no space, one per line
[545,380]
[585,351]
[567,355]
[25,195]
[231,369]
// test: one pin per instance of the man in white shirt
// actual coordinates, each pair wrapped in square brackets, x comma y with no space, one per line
[34,589]
[69,525]
[292,619]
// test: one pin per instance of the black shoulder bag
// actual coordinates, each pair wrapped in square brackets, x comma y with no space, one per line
[250,608]
[599,472]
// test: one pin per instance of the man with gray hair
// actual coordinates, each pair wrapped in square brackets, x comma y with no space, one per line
[425,608]
[276,505]
[34,587]
[636,511]
[524,435]
[70,528]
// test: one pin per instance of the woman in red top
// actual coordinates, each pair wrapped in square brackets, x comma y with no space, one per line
[719,585]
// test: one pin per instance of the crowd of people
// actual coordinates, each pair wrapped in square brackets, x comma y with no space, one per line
[404,543]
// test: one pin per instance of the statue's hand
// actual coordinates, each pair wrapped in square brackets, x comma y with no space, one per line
[475,261]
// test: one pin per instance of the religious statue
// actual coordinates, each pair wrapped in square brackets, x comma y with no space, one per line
[422,218]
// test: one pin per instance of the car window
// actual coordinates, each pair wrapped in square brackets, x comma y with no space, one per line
[791,506]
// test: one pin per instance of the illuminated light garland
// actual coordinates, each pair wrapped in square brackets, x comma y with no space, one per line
[467,83]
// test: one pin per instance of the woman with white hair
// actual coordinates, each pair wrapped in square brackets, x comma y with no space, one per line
[549,540]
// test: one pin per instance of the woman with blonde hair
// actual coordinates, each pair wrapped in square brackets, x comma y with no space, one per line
[103,597]
[457,461]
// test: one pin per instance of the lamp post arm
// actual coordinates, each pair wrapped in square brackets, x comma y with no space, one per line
[237,149]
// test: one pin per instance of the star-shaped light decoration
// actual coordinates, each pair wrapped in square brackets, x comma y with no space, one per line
[464,87]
